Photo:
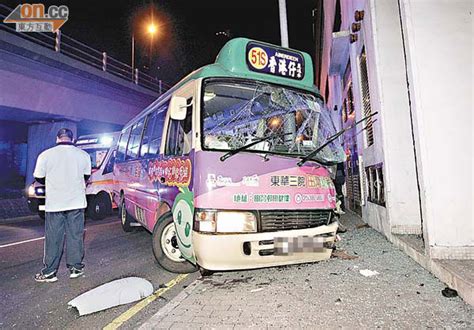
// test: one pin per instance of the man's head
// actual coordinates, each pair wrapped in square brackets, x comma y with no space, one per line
[64,135]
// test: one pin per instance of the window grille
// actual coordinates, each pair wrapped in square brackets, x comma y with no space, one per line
[375,184]
[369,129]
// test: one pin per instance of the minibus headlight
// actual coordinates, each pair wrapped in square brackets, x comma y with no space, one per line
[236,222]
[31,191]
[225,222]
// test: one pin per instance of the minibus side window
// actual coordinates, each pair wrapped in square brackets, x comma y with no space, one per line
[154,131]
[179,135]
[122,145]
[134,141]
[109,167]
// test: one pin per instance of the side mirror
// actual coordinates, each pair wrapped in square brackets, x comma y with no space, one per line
[178,107]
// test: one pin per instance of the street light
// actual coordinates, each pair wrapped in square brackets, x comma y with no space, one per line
[151,29]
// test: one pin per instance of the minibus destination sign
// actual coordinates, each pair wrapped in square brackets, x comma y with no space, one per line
[275,61]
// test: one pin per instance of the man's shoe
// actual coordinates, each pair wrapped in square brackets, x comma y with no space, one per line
[75,273]
[49,278]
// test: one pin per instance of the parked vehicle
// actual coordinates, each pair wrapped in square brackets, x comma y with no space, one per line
[99,186]
[215,168]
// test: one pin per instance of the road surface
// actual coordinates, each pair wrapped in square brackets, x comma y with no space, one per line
[110,254]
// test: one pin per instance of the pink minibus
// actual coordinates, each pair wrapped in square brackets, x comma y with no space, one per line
[229,169]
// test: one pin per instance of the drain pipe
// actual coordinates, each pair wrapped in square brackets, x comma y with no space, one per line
[411,120]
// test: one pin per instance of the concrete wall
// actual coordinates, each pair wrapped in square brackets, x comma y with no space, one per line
[392,99]
[419,57]
[439,42]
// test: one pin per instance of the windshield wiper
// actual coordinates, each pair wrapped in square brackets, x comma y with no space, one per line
[251,144]
[331,139]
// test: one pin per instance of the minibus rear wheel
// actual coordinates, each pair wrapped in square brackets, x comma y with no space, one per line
[125,218]
[164,243]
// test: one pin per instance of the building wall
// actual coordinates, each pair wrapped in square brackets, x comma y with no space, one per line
[439,42]
[405,62]
[391,99]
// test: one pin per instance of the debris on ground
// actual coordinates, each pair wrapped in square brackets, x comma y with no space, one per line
[342,254]
[363,225]
[118,292]
[368,272]
[256,290]
[449,293]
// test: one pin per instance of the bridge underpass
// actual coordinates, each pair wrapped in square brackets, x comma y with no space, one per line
[45,86]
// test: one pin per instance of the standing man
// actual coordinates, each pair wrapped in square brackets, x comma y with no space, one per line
[64,169]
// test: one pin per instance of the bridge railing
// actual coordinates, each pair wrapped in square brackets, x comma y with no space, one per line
[73,48]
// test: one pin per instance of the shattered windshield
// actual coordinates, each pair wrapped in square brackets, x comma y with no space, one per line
[238,113]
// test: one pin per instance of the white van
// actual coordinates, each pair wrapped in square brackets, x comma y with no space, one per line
[99,186]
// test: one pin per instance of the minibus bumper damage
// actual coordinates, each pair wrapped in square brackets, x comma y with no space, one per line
[246,251]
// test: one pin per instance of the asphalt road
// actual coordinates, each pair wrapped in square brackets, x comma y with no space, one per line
[110,254]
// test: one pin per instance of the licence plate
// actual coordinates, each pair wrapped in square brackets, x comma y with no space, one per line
[301,244]
[41,207]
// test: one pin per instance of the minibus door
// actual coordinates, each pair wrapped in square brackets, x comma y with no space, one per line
[180,158]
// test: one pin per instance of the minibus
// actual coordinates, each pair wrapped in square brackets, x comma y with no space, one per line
[221,169]
[99,186]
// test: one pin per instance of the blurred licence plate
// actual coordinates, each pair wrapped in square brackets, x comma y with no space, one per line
[41,207]
[301,244]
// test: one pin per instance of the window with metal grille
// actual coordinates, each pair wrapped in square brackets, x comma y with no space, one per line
[350,100]
[344,111]
[375,184]
[369,129]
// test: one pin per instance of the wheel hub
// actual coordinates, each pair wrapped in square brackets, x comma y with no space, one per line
[169,243]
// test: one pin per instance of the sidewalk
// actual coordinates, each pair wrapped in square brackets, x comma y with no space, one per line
[330,294]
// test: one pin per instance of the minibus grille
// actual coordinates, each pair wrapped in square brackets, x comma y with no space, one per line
[289,219]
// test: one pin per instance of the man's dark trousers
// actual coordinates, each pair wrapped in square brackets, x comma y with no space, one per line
[70,223]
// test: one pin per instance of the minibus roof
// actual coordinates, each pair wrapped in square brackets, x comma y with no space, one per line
[233,61]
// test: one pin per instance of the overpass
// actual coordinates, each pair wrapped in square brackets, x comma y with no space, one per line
[49,81]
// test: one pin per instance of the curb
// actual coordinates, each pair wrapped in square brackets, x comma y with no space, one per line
[155,320]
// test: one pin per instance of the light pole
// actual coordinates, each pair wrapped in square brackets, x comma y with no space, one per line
[283,23]
[133,53]
[151,31]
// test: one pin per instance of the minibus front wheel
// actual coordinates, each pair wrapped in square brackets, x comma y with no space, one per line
[165,247]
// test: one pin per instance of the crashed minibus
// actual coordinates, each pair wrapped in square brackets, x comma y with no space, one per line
[100,148]
[222,169]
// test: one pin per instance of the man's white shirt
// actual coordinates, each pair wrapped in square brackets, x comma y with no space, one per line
[64,167]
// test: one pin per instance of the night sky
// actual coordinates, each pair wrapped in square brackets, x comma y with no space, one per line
[187,29]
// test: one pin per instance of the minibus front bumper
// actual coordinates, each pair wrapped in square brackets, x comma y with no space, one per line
[256,250]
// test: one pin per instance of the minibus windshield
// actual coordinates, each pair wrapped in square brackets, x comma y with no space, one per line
[236,114]
[97,156]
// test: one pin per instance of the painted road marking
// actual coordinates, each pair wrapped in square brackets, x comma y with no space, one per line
[40,238]
[21,242]
[143,303]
